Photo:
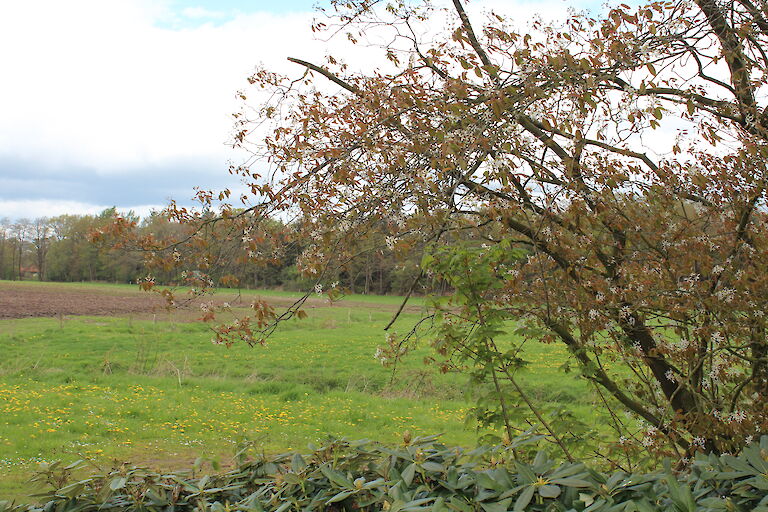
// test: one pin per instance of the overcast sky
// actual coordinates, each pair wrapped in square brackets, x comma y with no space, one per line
[128,103]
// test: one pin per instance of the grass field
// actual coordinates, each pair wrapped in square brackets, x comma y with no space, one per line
[154,390]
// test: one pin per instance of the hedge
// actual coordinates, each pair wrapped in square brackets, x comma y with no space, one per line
[421,475]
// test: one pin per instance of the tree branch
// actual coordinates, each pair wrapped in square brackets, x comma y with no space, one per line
[473,40]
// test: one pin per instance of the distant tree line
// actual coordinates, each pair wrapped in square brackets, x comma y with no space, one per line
[58,249]
[61,249]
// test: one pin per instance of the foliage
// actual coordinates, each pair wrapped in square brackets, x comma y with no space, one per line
[648,265]
[468,337]
[420,475]
[59,249]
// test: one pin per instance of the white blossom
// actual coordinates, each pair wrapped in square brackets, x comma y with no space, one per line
[726,294]
[380,356]
[737,416]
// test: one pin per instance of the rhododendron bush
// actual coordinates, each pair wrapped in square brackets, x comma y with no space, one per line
[603,177]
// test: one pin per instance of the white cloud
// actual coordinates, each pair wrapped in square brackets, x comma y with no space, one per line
[96,83]
[102,86]
[202,13]
[51,208]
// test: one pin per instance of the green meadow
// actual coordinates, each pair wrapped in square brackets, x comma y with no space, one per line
[154,390]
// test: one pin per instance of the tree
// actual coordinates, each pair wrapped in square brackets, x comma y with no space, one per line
[69,256]
[4,243]
[41,235]
[20,231]
[614,170]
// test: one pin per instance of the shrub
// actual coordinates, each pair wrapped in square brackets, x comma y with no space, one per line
[420,475]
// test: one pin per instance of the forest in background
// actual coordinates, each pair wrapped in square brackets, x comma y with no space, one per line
[60,249]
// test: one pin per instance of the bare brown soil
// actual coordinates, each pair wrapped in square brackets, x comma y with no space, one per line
[23,300]
[39,301]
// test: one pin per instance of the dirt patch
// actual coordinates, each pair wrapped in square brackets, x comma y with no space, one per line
[23,302]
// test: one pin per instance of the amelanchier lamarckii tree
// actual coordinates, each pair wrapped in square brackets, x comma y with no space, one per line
[614,167]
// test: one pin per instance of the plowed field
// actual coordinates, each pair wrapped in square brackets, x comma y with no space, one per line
[18,301]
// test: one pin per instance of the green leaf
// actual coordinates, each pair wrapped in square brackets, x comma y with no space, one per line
[118,483]
[571,482]
[433,466]
[753,456]
[156,499]
[439,505]
[297,463]
[759,482]
[524,499]
[738,464]
[525,474]
[408,474]
[587,499]
[336,477]
[459,504]
[292,478]
[485,480]
[74,465]
[549,491]
[417,505]
[340,496]
[374,483]
[681,495]
[498,506]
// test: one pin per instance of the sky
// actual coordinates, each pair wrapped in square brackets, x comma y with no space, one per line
[129,103]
